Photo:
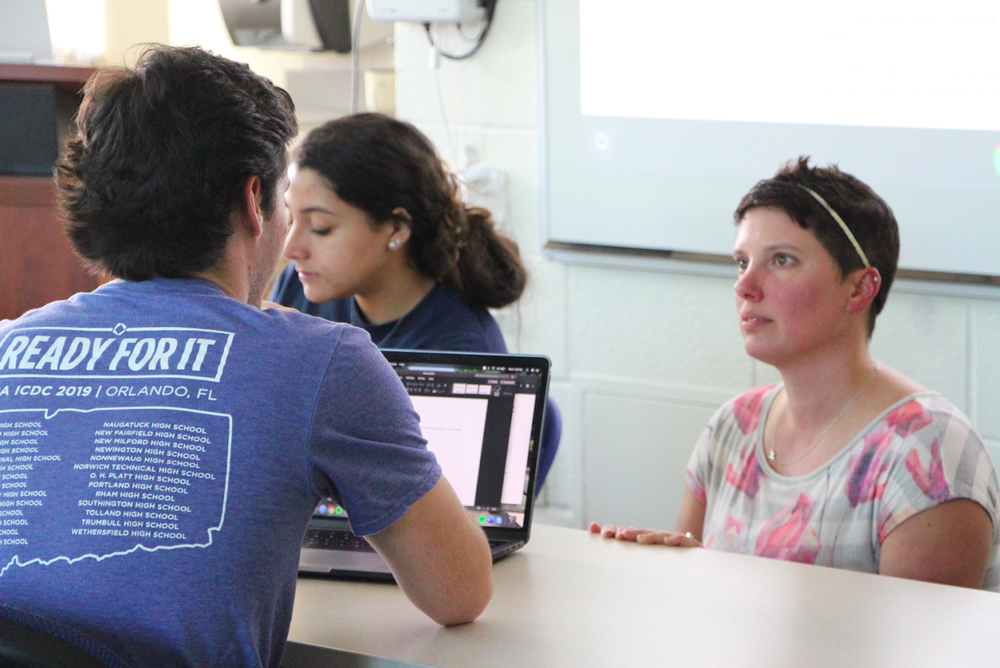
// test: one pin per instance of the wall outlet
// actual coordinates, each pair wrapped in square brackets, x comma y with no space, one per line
[425,11]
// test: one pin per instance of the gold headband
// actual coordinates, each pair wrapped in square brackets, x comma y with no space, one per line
[840,221]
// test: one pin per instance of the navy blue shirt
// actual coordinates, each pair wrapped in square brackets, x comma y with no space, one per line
[441,321]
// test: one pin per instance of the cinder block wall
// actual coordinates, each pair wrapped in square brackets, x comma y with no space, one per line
[642,358]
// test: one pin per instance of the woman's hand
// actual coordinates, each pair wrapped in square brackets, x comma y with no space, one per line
[646,536]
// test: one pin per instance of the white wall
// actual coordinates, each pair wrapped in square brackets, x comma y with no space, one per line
[318,82]
[642,358]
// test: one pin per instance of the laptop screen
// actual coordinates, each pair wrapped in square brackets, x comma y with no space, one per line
[481,416]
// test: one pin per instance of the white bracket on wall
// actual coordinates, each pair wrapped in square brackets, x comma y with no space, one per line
[426,11]
[485,186]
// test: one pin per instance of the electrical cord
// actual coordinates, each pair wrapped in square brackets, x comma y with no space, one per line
[452,156]
[490,6]
[359,7]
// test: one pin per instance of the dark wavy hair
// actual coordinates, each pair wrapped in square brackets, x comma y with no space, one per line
[869,218]
[378,164]
[161,156]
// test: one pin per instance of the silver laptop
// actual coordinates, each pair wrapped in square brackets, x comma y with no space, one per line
[482,417]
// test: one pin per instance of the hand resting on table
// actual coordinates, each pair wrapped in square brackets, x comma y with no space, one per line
[646,536]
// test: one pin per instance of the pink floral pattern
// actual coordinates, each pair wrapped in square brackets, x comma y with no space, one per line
[747,479]
[747,408]
[697,488]
[930,480]
[866,470]
[909,418]
[788,535]
[840,514]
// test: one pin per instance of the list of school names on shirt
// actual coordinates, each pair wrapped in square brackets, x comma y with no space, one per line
[154,482]
[111,440]
[19,456]
[141,474]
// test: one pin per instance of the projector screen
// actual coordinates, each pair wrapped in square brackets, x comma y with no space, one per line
[658,116]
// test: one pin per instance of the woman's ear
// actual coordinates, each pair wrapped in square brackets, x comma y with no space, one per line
[401,225]
[865,286]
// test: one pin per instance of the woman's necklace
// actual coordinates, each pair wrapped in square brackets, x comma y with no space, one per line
[399,321]
[771,456]
[391,331]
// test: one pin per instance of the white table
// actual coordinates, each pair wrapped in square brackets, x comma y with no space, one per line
[572,599]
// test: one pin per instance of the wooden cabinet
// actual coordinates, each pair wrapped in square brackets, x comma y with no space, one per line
[37,263]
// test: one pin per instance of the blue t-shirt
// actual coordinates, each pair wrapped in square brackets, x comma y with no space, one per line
[162,447]
[441,321]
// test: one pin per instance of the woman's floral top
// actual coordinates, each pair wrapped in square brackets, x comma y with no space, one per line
[920,452]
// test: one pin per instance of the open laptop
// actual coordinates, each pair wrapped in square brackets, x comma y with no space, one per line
[482,417]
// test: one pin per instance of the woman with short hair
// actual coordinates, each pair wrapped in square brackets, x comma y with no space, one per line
[846,463]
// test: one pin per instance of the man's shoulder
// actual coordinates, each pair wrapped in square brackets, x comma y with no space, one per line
[155,308]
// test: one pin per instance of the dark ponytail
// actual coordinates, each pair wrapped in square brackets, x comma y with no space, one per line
[489,270]
[378,164]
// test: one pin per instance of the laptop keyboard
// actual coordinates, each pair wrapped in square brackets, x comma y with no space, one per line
[333,539]
[327,539]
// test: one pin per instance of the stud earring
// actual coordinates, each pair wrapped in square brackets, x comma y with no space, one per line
[394,244]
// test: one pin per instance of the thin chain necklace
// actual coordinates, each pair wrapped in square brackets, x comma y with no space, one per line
[771,456]
[382,341]
[391,331]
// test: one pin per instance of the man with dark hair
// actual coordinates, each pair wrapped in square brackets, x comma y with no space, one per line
[163,440]
[161,160]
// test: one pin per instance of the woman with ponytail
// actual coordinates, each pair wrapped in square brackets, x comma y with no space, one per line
[380,238]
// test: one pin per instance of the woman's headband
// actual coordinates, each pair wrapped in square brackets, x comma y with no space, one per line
[840,221]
